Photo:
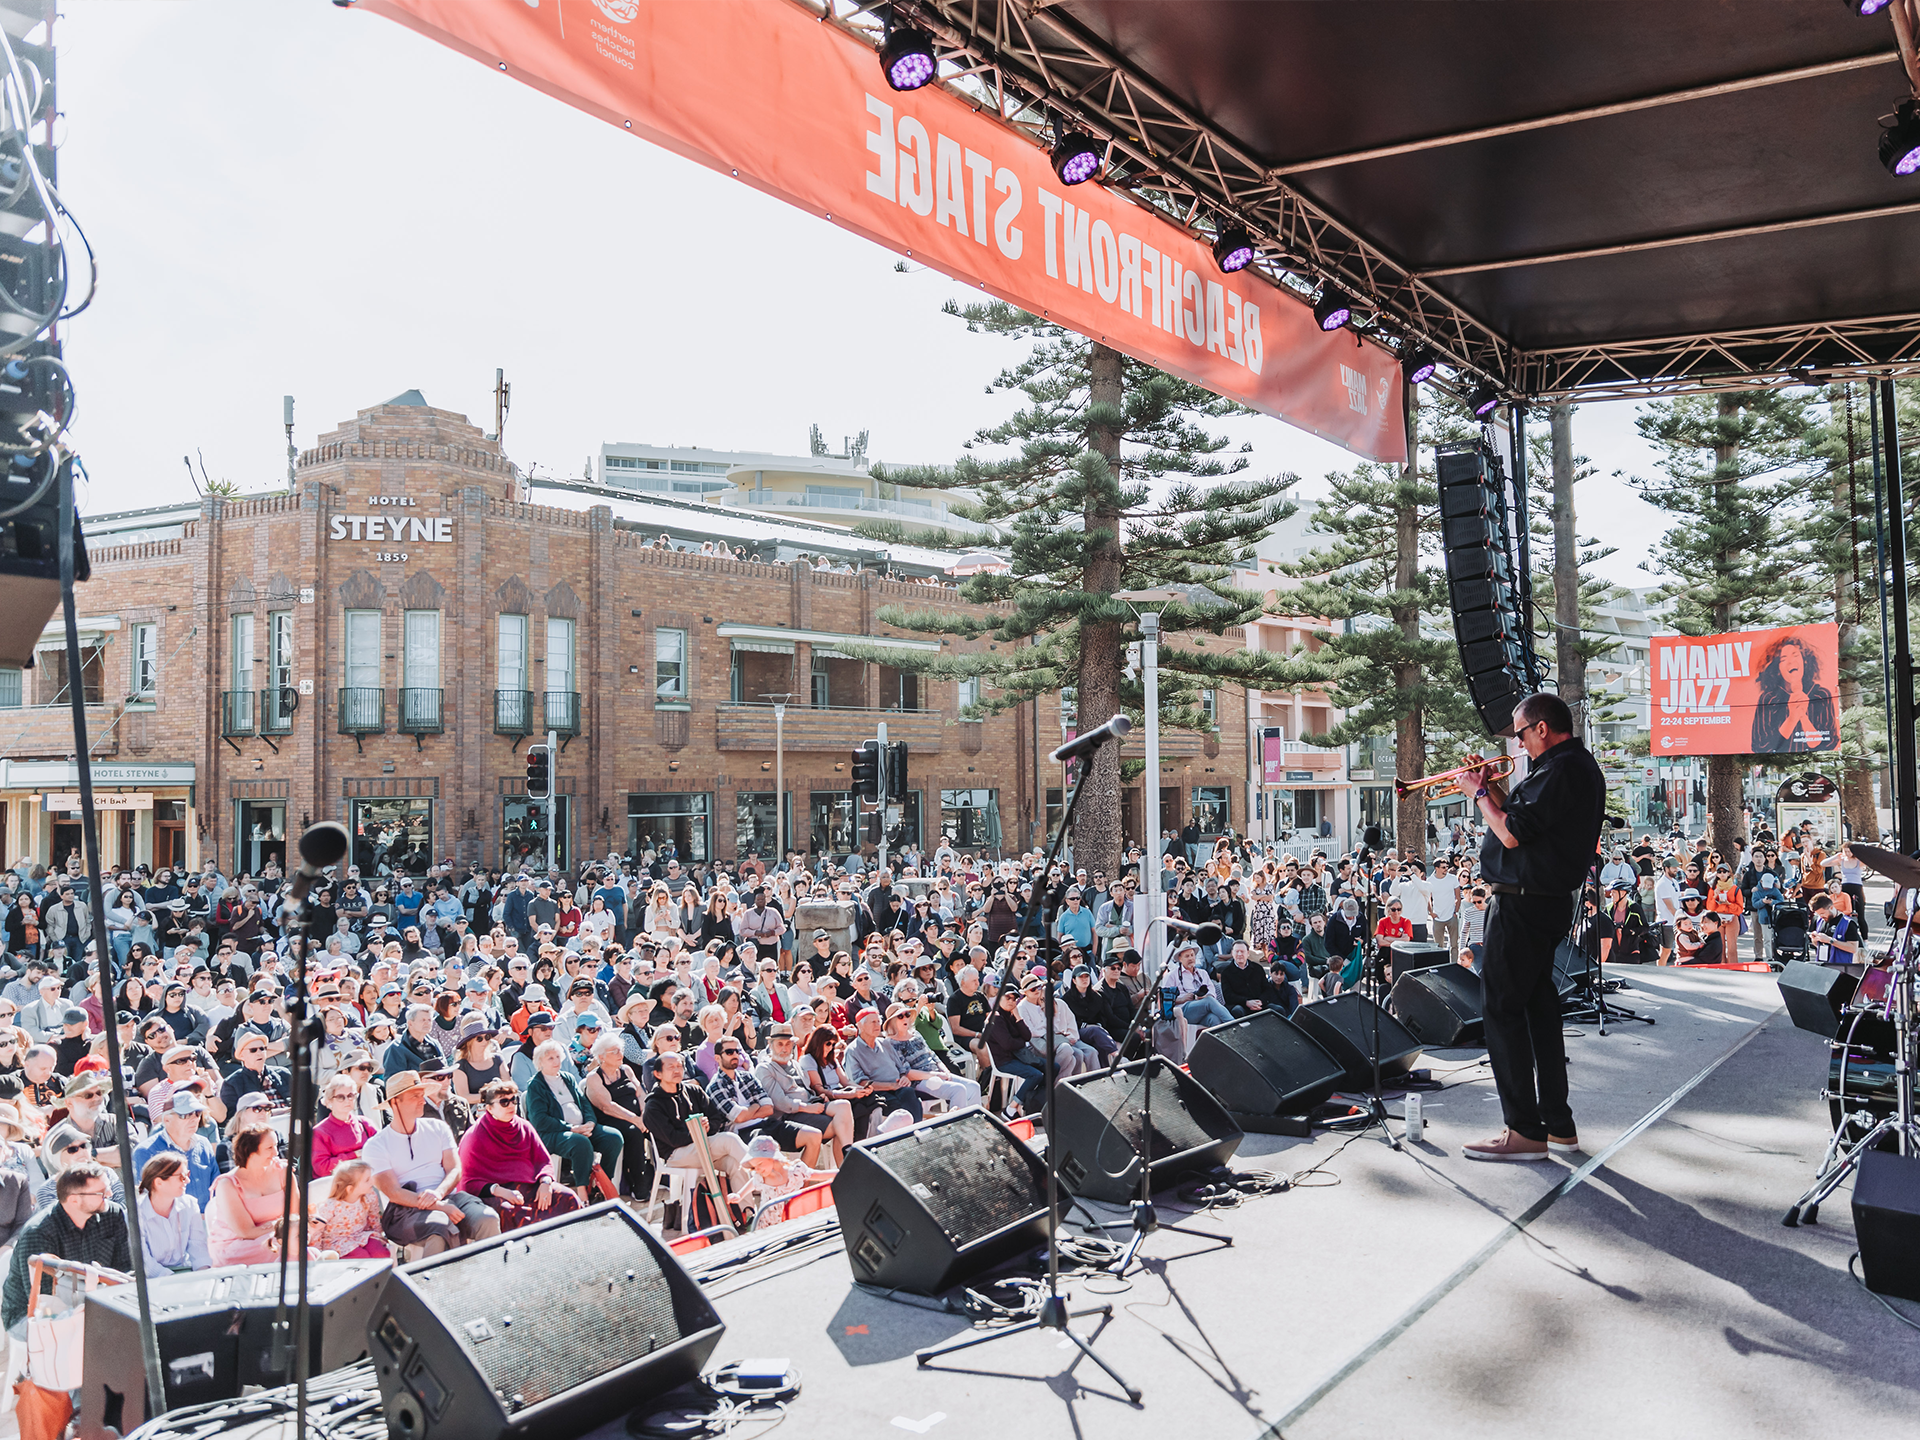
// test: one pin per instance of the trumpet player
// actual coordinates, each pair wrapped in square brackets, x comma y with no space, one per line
[1539,845]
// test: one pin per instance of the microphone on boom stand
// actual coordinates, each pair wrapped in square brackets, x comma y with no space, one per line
[1082,746]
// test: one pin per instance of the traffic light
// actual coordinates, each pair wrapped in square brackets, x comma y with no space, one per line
[866,771]
[896,769]
[539,773]
[873,827]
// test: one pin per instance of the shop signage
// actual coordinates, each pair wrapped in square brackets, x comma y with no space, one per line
[1293,775]
[1360,774]
[130,800]
[392,529]
[62,774]
[1807,790]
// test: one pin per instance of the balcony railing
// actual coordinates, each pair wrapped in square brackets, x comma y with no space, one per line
[363,710]
[276,710]
[237,712]
[421,712]
[513,712]
[562,709]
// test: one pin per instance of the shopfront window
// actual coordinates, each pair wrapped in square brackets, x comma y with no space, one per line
[523,834]
[970,819]
[675,825]
[1211,810]
[830,823]
[259,836]
[392,837]
[169,834]
[756,824]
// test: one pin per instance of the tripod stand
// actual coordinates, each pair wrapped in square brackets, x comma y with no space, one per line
[1055,1313]
[1144,1220]
[1901,1124]
[1372,975]
[1593,1008]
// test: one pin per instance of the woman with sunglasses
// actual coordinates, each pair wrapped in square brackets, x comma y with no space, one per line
[666,1040]
[344,1133]
[503,1162]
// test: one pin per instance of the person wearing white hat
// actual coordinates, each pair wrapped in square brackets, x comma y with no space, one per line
[416,1168]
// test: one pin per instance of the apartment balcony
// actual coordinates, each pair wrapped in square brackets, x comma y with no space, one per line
[422,712]
[363,710]
[851,509]
[561,712]
[47,730]
[513,712]
[237,713]
[750,727]
[276,710]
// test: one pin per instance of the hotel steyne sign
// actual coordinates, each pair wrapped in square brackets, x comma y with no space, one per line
[392,529]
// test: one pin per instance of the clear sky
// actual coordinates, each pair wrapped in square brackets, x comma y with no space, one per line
[291,198]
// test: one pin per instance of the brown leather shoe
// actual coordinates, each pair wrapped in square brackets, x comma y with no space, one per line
[1564,1144]
[1506,1146]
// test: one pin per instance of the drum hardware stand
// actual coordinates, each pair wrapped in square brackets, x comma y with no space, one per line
[1055,1312]
[1902,1125]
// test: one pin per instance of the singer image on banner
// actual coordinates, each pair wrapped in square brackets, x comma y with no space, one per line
[1751,692]
[1794,711]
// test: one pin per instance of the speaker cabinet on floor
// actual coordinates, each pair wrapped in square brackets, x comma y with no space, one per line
[1411,955]
[1815,995]
[1099,1123]
[1263,1065]
[925,1208]
[551,1330]
[215,1328]
[1344,1027]
[1886,1223]
[1442,1007]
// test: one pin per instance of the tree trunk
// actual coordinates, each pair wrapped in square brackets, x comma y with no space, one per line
[1096,830]
[1725,784]
[1409,736]
[1569,665]
[1856,775]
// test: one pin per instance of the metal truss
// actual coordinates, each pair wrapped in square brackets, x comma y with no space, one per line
[1037,68]
[1031,65]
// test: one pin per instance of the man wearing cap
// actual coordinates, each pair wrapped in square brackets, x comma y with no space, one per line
[71,1044]
[583,999]
[253,1077]
[45,1017]
[254,1017]
[871,1062]
[1194,989]
[1666,905]
[179,1132]
[417,1171]
[820,958]
[65,1147]
[86,1100]
[792,1099]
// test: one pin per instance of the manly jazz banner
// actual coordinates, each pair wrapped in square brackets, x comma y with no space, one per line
[763,91]
[1754,692]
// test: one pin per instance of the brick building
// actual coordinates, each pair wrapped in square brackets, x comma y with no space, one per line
[379,647]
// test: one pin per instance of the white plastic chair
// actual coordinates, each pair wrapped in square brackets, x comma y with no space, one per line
[671,1185]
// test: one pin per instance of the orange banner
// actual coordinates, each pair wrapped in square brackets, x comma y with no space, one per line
[762,90]
[1755,692]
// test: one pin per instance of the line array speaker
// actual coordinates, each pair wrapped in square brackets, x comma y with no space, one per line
[1264,1065]
[1442,1006]
[1099,1123]
[1489,620]
[1344,1027]
[554,1329]
[925,1208]
[215,1329]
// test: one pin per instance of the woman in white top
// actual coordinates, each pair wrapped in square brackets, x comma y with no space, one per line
[663,916]
[173,1232]
[598,922]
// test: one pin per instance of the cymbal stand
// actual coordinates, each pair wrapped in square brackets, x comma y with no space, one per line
[1902,1124]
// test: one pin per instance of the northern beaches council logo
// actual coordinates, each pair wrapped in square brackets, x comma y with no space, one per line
[618,11]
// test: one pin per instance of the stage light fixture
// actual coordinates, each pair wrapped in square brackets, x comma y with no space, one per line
[1418,363]
[1076,159]
[1484,402]
[1866,7]
[1900,142]
[906,58]
[1333,310]
[1234,249]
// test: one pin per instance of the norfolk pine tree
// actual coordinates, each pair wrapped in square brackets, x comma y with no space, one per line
[1103,481]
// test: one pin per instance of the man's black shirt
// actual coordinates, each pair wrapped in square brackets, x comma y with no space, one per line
[1555,814]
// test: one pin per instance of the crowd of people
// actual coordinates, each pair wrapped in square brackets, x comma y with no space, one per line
[498,1048]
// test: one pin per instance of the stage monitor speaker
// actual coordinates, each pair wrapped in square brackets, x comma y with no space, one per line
[215,1329]
[1344,1027]
[1815,995]
[927,1207]
[550,1330]
[1570,967]
[1099,1124]
[1441,1006]
[1264,1065]
[1886,1223]
[1411,955]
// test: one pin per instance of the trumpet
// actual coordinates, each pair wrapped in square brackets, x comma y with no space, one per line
[1453,782]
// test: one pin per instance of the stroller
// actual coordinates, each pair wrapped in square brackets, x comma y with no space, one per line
[1790,926]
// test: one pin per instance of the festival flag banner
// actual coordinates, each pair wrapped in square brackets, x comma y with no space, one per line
[1754,692]
[763,91]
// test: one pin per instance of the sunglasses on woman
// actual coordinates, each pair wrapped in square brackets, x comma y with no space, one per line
[508,1102]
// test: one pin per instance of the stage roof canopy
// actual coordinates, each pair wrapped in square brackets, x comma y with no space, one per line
[1628,198]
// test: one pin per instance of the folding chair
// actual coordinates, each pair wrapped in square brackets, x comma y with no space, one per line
[676,1181]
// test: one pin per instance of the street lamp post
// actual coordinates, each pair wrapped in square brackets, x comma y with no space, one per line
[780,779]
[1150,859]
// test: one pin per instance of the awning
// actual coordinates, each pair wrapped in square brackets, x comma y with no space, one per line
[782,636]
[765,647]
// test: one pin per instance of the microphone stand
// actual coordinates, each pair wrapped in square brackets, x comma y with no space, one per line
[1373,966]
[1054,1312]
[1143,1219]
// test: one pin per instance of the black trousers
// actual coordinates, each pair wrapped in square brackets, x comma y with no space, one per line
[1525,1045]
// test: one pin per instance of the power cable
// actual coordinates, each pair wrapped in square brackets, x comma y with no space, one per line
[1884,1305]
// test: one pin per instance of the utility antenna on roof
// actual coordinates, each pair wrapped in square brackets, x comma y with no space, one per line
[816,442]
